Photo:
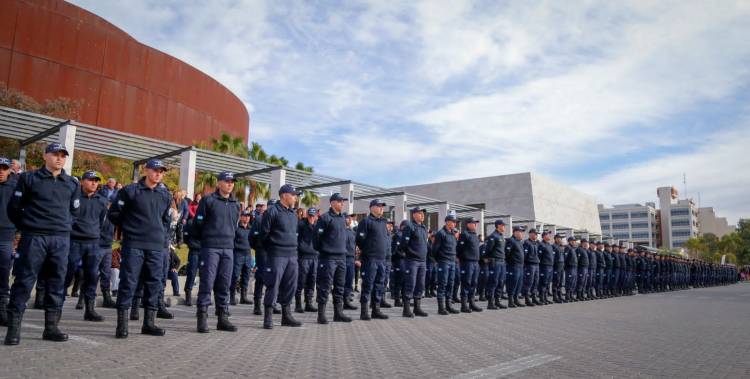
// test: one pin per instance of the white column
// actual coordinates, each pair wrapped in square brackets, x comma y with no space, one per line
[347,190]
[278,179]
[509,227]
[480,227]
[400,210]
[187,171]
[67,137]
[442,214]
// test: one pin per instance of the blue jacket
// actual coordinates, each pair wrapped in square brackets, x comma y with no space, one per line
[559,256]
[373,238]
[468,246]
[351,244]
[514,251]
[546,254]
[583,257]
[216,221]
[107,234]
[494,248]
[91,215]
[414,241]
[278,231]
[143,215]
[242,239]
[444,247]
[531,252]
[305,235]
[331,234]
[571,257]
[7,228]
[45,204]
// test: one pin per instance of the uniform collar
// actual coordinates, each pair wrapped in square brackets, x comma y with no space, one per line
[43,172]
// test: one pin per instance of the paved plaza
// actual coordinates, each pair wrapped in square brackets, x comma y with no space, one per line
[700,333]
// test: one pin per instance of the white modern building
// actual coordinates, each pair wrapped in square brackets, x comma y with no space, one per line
[709,223]
[632,222]
[679,218]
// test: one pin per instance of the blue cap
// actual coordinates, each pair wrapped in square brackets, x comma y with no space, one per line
[390,222]
[417,209]
[272,201]
[584,240]
[156,164]
[5,162]
[499,222]
[312,212]
[451,217]
[90,175]
[246,213]
[288,188]
[532,230]
[377,202]
[472,220]
[346,214]
[558,235]
[55,147]
[226,176]
[519,229]
[571,238]
[336,197]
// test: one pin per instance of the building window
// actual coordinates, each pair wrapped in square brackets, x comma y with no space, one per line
[641,235]
[640,225]
[620,226]
[621,236]
[619,216]
[680,222]
[605,226]
[678,243]
[638,214]
[604,216]
[681,233]
[680,212]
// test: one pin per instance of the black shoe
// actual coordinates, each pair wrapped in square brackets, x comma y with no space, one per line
[482,298]
[364,314]
[276,309]
[310,306]
[407,310]
[188,299]
[4,311]
[534,300]
[338,313]
[232,296]
[39,299]
[51,331]
[499,305]
[79,304]
[528,301]
[13,334]
[398,303]
[441,308]
[90,314]
[511,303]
[298,304]
[162,311]
[449,307]
[473,306]
[418,308]
[465,306]
[267,317]
[286,317]
[518,303]
[349,306]
[243,297]
[223,323]
[202,316]
[134,309]
[385,304]
[322,319]
[122,323]
[491,304]
[256,308]
[149,328]
[377,314]
[107,301]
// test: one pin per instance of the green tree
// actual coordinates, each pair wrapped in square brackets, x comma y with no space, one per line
[309,198]
[694,246]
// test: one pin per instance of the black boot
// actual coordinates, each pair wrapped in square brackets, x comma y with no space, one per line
[499,304]
[233,296]
[298,304]
[418,308]
[202,316]
[376,313]
[286,317]
[188,299]
[122,323]
[162,311]
[39,299]
[511,303]
[398,303]
[51,332]
[364,314]
[90,314]
[223,323]
[441,307]
[348,305]
[107,302]
[534,300]
[473,306]
[384,303]
[79,304]
[491,304]
[149,327]
[276,309]
[407,310]
[465,306]
[338,313]
[449,307]
[518,303]
[528,301]
[267,317]
[256,308]
[322,314]
[4,311]
[310,306]
[134,309]
[243,297]
[13,334]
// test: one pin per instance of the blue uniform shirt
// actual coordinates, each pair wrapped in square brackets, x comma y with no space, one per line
[414,241]
[91,216]
[305,236]
[45,204]
[331,234]
[143,215]
[216,220]
[7,228]
[373,238]
[468,246]
[278,231]
[444,247]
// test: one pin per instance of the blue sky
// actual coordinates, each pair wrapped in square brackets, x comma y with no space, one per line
[613,98]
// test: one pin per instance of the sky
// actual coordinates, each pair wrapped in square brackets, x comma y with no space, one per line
[612,98]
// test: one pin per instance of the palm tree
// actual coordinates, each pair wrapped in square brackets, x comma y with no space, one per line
[229,145]
[206,182]
[309,198]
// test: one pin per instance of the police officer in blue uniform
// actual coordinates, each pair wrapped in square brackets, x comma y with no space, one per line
[494,254]
[593,264]
[414,245]
[243,260]
[558,273]
[608,262]
[514,256]
[444,251]
[531,269]
[571,270]
[601,267]
[374,244]
[388,264]
[615,276]
[468,257]
[105,267]
[546,263]
[351,259]
[397,271]
[84,242]
[278,237]
[308,262]
[216,223]
[330,241]
[582,256]
[44,206]
[142,212]
[193,242]
[7,236]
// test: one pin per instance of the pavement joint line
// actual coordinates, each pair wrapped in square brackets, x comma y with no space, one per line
[70,337]
[510,367]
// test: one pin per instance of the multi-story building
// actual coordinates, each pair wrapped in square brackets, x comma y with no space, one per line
[709,223]
[636,223]
[679,218]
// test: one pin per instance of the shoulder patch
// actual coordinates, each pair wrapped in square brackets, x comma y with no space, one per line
[120,202]
[76,203]
[18,194]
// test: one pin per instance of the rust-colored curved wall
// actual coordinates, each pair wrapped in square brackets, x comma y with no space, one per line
[50,48]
